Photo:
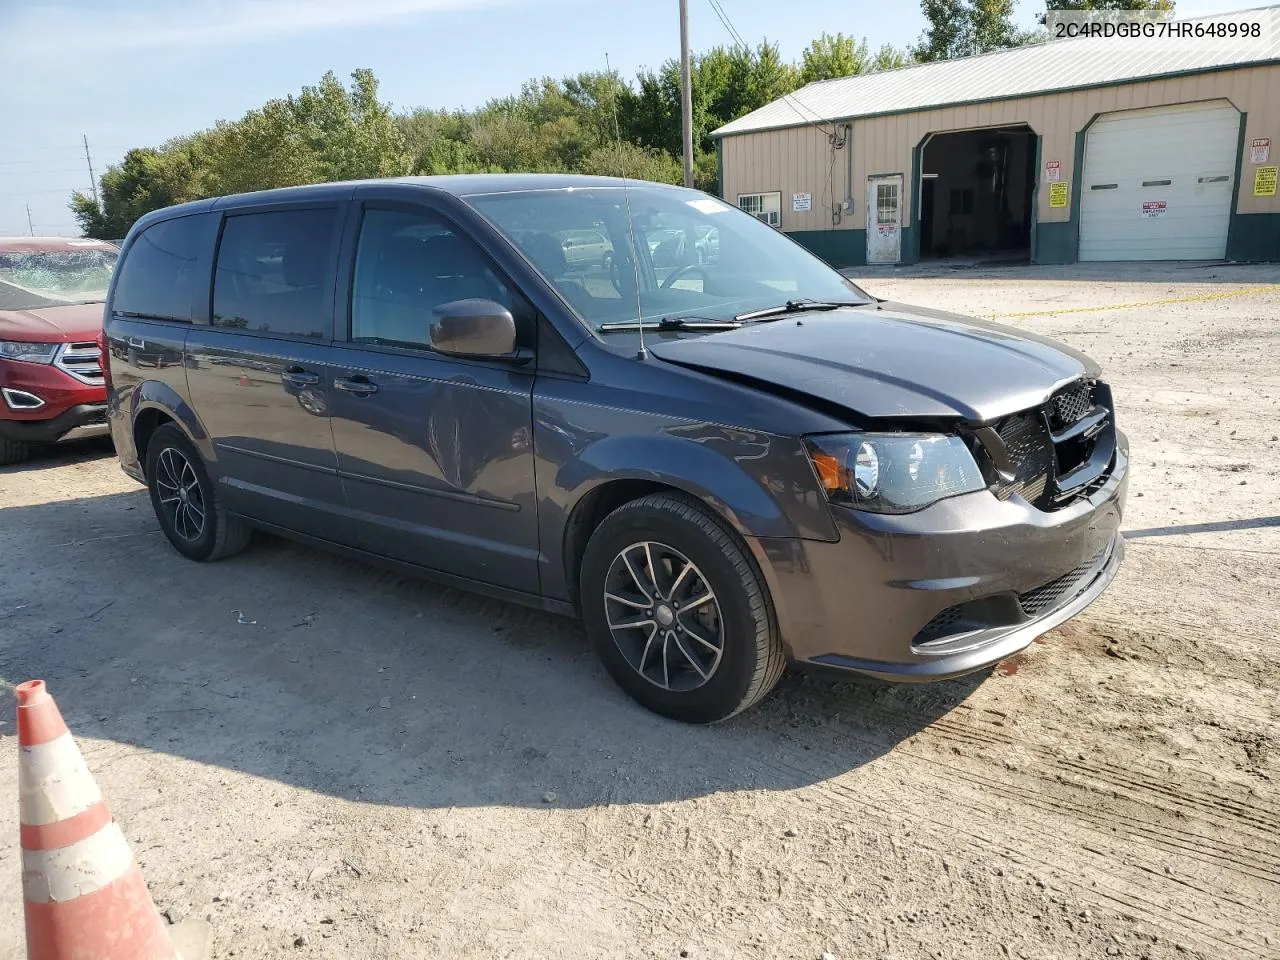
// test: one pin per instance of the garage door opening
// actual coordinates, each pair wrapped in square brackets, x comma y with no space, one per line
[1158,182]
[976,194]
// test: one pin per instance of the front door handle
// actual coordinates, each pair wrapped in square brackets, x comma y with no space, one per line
[360,386]
[299,377]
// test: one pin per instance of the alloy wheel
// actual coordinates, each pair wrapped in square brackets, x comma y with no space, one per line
[664,616]
[181,499]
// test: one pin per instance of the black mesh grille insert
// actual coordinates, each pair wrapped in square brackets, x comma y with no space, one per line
[1070,404]
[1037,601]
[1058,452]
[942,624]
[1031,453]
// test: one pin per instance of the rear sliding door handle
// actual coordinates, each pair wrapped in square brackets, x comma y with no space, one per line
[360,386]
[299,377]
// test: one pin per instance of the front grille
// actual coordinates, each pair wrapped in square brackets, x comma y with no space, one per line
[1054,454]
[1069,404]
[1030,452]
[1066,587]
[82,361]
[942,624]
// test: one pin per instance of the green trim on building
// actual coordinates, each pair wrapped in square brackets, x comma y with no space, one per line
[1055,243]
[840,248]
[719,170]
[910,244]
[1254,237]
[1246,238]
[913,228]
[1035,199]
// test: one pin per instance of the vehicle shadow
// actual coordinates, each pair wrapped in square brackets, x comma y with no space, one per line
[1215,526]
[332,675]
[47,456]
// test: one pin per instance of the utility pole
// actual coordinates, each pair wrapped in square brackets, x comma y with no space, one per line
[93,182]
[686,94]
[31,230]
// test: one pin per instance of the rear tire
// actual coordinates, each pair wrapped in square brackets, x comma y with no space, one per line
[186,502]
[13,451]
[699,663]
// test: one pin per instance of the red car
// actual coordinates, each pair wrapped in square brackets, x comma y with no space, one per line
[51,383]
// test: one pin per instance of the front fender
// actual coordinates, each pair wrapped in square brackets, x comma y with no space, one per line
[705,467]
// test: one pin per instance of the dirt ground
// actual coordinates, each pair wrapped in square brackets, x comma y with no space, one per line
[326,760]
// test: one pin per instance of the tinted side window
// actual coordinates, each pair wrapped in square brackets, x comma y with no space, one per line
[274,272]
[407,264]
[161,277]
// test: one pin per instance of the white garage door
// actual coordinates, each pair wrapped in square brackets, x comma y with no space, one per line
[1157,183]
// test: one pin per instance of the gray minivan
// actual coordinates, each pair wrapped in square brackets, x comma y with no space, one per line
[724,459]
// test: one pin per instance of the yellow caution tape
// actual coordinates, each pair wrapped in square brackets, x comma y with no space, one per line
[1274,288]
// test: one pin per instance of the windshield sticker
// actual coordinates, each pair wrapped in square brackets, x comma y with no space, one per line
[708,205]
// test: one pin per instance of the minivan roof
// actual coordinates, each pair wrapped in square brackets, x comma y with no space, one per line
[460,185]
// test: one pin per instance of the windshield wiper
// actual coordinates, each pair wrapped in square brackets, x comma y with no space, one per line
[673,323]
[797,306]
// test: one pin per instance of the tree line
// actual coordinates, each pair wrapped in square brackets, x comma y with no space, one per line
[593,122]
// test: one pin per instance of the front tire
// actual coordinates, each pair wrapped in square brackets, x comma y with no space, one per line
[185,501]
[678,611]
[13,451]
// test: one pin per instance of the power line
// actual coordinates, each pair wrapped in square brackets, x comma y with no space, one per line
[43,166]
[813,119]
[37,193]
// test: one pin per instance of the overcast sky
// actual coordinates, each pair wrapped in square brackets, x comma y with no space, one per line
[136,72]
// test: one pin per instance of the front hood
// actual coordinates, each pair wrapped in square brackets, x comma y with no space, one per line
[76,321]
[891,360]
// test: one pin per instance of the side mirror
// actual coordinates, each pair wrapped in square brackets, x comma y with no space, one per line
[473,328]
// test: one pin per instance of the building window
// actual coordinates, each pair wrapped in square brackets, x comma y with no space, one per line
[762,206]
[886,203]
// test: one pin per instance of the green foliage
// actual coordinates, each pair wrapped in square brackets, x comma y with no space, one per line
[960,28]
[145,180]
[889,57]
[593,122]
[325,133]
[1160,5]
[831,56]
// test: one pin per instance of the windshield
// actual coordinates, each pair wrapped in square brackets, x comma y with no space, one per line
[697,257]
[50,278]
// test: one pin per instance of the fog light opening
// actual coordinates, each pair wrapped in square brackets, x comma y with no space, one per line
[20,399]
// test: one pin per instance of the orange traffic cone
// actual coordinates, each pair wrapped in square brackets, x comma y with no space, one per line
[85,898]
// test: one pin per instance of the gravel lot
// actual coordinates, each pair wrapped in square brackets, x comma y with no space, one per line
[327,760]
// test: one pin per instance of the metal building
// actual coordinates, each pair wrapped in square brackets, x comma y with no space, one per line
[1074,149]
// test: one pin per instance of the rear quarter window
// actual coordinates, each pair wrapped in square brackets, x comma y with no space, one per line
[161,277]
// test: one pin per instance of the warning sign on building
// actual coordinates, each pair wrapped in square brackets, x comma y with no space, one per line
[1264,181]
[1154,208]
[1260,150]
[801,202]
[1053,170]
[1058,192]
